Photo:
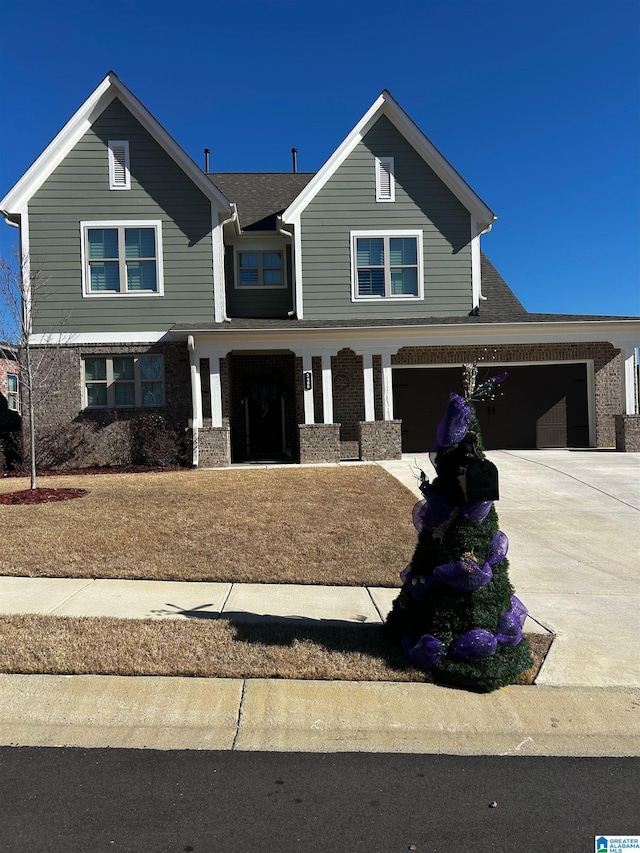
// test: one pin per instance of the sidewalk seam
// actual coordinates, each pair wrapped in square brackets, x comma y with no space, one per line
[69,597]
[375,605]
[241,703]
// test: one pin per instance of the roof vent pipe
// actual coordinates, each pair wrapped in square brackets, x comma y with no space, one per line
[207,151]
[294,159]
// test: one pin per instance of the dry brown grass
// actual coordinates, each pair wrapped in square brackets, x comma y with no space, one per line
[344,526]
[209,648]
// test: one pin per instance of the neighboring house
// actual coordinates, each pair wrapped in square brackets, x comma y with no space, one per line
[9,388]
[310,317]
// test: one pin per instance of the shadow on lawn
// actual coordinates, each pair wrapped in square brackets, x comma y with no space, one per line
[333,635]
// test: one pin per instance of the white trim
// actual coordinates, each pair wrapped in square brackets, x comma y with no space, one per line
[215,386]
[309,417]
[387,386]
[385,166]
[369,396]
[73,338]
[217,268]
[630,401]
[386,105]
[476,267]
[121,223]
[81,121]
[327,388]
[296,247]
[25,270]
[114,182]
[385,234]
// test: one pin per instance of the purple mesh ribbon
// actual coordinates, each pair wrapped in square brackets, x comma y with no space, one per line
[520,609]
[455,422]
[464,574]
[429,514]
[475,645]
[498,549]
[476,511]
[427,651]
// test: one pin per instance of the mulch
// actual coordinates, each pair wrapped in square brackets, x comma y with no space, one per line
[41,496]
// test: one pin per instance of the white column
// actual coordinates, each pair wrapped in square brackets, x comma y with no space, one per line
[327,389]
[196,390]
[387,387]
[629,376]
[215,385]
[308,393]
[369,399]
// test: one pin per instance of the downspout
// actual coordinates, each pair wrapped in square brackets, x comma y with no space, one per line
[294,313]
[236,224]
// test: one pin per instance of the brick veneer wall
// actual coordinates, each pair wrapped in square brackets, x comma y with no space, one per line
[607,361]
[380,440]
[214,446]
[68,436]
[348,393]
[628,433]
[319,442]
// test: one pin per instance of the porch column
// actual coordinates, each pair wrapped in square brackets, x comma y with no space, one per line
[216,389]
[327,389]
[387,386]
[308,391]
[629,381]
[196,390]
[369,398]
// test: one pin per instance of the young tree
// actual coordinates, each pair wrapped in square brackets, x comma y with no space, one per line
[21,289]
[456,614]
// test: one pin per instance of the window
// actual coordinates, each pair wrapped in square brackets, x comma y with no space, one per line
[260,269]
[122,259]
[119,174]
[385,179]
[123,382]
[13,401]
[386,265]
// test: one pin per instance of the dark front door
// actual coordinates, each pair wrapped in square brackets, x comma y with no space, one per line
[264,412]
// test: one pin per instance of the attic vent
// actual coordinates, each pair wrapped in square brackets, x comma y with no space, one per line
[385,180]
[119,176]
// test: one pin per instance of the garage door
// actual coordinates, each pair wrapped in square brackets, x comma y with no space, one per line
[541,406]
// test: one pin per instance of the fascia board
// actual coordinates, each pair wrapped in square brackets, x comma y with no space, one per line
[619,333]
[78,125]
[333,163]
[388,106]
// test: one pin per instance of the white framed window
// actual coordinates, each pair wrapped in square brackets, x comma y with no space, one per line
[260,269]
[13,398]
[386,265]
[123,382]
[385,179]
[119,173]
[122,258]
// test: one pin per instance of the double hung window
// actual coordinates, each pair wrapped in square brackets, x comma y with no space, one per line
[386,265]
[122,259]
[260,269]
[123,381]
[13,401]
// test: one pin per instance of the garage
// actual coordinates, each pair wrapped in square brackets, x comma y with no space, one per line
[543,405]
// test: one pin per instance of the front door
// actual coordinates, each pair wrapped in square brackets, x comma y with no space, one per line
[265,430]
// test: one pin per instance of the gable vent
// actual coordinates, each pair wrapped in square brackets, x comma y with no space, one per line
[385,180]
[119,175]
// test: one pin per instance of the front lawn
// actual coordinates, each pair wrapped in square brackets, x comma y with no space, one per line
[327,525]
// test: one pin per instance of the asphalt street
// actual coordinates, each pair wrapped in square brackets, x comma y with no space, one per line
[93,800]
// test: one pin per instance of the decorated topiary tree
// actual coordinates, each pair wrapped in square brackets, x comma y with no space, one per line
[456,615]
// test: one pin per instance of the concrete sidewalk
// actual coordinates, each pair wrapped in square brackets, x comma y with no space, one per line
[572,520]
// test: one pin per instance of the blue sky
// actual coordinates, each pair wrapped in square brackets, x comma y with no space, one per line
[536,104]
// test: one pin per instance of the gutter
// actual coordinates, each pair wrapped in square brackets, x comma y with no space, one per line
[293,315]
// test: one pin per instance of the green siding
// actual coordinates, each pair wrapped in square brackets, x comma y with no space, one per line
[78,190]
[347,203]
[269,302]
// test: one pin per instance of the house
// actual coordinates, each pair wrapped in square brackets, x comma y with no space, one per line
[9,404]
[303,317]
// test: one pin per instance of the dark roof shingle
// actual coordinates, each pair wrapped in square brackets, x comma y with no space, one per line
[260,196]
